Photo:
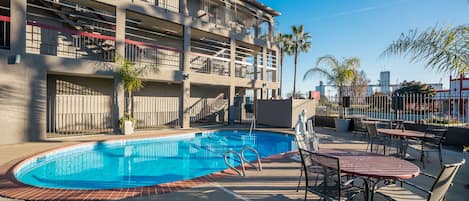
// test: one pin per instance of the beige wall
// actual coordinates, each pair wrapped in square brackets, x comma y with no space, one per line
[283,113]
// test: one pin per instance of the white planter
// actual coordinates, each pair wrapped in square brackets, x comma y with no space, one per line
[342,125]
[128,128]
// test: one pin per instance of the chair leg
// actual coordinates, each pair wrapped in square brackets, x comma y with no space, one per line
[441,157]
[299,180]
[422,156]
[306,193]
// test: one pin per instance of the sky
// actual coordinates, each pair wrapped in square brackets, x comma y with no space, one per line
[364,28]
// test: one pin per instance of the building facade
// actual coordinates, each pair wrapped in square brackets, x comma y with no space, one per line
[59,71]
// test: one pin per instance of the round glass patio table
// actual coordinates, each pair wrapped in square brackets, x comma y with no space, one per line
[372,168]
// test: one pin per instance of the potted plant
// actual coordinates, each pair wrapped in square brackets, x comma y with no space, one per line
[340,75]
[129,78]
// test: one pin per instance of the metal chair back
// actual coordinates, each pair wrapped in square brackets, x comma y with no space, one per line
[435,136]
[322,173]
[443,181]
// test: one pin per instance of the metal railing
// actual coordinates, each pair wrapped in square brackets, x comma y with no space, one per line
[172,5]
[5,32]
[79,114]
[155,112]
[201,63]
[152,55]
[205,109]
[439,109]
[48,40]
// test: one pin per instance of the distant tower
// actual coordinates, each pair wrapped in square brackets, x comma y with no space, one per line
[384,82]
[321,88]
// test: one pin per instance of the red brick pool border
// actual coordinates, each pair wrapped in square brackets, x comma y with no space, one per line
[10,187]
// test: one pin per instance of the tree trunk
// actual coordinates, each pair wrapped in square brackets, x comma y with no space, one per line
[282,55]
[294,78]
[341,106]
[129,103]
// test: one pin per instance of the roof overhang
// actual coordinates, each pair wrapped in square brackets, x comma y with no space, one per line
[263,7]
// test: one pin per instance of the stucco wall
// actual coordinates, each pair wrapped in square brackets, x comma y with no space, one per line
[283,113]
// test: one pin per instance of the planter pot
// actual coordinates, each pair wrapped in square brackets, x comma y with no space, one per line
[342,125]
[128,128]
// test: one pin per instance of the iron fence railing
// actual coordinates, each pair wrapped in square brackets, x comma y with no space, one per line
[5,32]
[152,55]
[48,40]
[172,5]
[441,109]
[79,114]
[206,109]
[201,63]
[155,112]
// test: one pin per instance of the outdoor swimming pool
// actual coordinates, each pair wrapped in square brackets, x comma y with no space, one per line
[146,162]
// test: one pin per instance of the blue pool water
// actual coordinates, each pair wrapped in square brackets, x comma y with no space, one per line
[146,162]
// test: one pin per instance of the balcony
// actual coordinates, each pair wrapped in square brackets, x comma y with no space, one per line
[201,63]
[44,39]
[152,55]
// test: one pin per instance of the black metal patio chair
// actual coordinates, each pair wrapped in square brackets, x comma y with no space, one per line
[433,141]
[323,177]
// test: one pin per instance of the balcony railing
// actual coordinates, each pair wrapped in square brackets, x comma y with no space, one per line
[49,40]
[172,5]
[202,63]
[144,54]
[5,32]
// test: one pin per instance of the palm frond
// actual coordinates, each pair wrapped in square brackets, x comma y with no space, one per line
[442,49]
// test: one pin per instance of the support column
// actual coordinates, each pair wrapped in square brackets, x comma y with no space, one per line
[264,73]
[18,27]
[183,8]
[231,111]
[119,96]
[232,57]
[184,98]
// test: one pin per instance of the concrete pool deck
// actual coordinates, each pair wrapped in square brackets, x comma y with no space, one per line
[278,181]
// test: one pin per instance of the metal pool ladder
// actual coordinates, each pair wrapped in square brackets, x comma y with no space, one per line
[242,159]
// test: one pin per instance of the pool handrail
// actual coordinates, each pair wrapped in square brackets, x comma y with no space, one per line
[259,164]
[243,173]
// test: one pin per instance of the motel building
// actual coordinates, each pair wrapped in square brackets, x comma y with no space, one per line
[58,67]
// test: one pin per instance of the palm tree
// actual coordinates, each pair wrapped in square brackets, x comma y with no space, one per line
[129,77]
[284,43]
[442,49]
[340,74]
[300,42]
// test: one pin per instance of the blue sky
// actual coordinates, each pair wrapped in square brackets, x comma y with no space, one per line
[364,28]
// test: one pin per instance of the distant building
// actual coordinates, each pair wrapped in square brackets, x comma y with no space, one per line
[384,82]
[384,86]
[457,96]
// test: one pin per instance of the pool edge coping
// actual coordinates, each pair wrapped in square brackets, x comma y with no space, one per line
[41,193]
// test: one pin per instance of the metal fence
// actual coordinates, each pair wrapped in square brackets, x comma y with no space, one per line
[172,5]
[152,55]
[207,109]
[155,112]
[79,114]
[5,32]
[440,109]
[47,40]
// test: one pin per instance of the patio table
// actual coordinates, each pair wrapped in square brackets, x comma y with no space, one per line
[372,168]
[404,133]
